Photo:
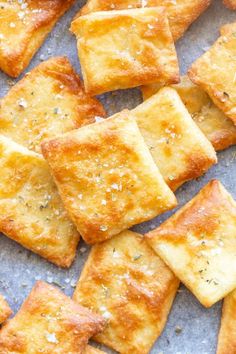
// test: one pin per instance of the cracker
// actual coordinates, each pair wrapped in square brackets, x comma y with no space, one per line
[31,210]
[231,4]
[198,243]
[107,178]
[24,26]
[181,13]
[178,147]
[218,128]
[125,48]
[47,102]
[49,322]
[228,29]
[227,334]
[132,288]
[5,310]
[150,90]
[215,71]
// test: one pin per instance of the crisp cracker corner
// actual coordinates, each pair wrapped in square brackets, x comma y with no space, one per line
[5,310]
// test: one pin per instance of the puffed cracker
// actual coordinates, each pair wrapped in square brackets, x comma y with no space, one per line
[181,13]
[5,310]
[131,287]
[227,334]
[125,48]
[179,148]
[198,243]
[107,178]
[24,26]
[49,322]
[215,71]
[31,210]
[49,101]
[218,128]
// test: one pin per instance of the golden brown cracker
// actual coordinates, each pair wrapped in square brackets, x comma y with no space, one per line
[181,13]
[31,210]
[24,26]
[49,322]
[198,243]
[227,334]
[231,4]
[215,71]
[5,310]
[125,48]
[178,147]
[218,128]
[130,286]
[49,101]
[107,178]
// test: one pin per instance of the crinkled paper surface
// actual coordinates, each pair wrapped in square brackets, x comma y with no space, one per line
[191,329]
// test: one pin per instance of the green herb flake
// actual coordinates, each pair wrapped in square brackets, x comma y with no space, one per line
[137,256]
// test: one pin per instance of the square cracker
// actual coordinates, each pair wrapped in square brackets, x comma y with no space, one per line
[51,323]
[126,48]
[49,101]
[23,27]
[227,334]
[215,72]
[181,13]
[218,128]
[31,210]
[198,243]
[231,4]
[107,178]
[5,310]
[178,147]
[126,282]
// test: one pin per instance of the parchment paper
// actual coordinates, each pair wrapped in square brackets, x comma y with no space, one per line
[191,329]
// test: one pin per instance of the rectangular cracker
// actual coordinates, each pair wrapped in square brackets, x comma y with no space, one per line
[218,128]
[107,178]
[5,310]
[125,48]
[130,286]
[49,101]
[198,243]
[31,210]
[49,322]
[178,147]
[24,26]
[231,4]
[181,13]
[215,72]
[227,334]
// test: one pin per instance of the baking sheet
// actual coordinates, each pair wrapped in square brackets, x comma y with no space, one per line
[191,329]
